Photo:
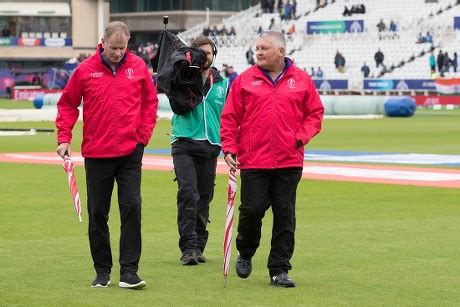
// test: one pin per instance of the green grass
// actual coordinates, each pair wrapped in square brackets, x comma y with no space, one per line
[427,132]
[15,104]
[356,244]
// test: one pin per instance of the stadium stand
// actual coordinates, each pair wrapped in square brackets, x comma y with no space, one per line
[403,56]
[315,31]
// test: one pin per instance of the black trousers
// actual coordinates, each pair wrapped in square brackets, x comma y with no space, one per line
[100,177]
[195,165]
[261,189]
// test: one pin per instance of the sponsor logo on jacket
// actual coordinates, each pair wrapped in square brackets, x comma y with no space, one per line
[97,74]
[256,83]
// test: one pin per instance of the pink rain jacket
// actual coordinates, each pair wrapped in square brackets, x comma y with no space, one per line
[262,123]
[119,110]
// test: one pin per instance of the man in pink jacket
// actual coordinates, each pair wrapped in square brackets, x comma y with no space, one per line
[272,111]
[119,114]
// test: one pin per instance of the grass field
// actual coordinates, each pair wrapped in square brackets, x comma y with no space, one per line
[11,104]
[427,132]
[362,244]
[356,243]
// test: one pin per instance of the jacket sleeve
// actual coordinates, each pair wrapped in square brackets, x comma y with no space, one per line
[149,107]
[68,107]
[313,115]
[231,118]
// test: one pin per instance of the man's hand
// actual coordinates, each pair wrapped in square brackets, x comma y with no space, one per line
[231,161]
[63,149]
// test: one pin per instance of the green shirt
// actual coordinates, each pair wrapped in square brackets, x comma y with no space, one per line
[203,122]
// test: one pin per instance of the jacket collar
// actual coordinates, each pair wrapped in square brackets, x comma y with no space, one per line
[216,78]
[216,75]
[287,65]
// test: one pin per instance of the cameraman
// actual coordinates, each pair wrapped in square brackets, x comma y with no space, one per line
[195,147]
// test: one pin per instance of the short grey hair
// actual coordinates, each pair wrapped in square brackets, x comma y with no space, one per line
[116,27]
[277,37]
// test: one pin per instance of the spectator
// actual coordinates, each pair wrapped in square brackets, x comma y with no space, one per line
[287,11]
[428,38]
[294,9]
[339,61]
[82,57]
[446,63]
[232,74]
[36,80]
[264,6]
[379,57]
[271,5]
[279,7]
[225,70]
[206,31]
[61,79]
[6,32]
[393,26]
[313,72]
[320,4]
[272,23]
[319,73]
[455,62]
[440,61]
[420,38]
[432,62]
[250,56]
[214,31]
[223,31]
[381,26]
[232,31]
[354,9]
[365,70]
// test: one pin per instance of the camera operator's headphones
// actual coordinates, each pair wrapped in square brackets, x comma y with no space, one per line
[214,48]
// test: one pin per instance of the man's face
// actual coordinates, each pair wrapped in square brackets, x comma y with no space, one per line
[268,54]
[210,57]
[115,47]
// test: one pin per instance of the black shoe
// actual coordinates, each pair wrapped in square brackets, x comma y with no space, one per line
[199,256]
[282,280]
[243,267]
[101,281]
[130,280]
[189,258]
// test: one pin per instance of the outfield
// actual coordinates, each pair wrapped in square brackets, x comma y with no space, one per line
[356,243]
[11,104]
